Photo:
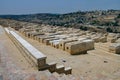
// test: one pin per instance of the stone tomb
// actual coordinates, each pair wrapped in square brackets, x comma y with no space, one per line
[27,34]
[96,39]
[55,43]
[33,35]
[115,48]
[79,47]
[41,38]
[111,37]
[47,41]
[63,42]
[103,39]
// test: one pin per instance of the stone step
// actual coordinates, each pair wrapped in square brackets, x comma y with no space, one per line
[68,70]
[52,66]
[60,69]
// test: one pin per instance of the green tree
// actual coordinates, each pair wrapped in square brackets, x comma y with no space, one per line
[109,29]
[118,16]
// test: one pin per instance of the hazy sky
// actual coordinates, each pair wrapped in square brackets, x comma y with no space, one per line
[55,6]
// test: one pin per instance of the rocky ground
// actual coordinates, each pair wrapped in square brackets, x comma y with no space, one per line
[98,64]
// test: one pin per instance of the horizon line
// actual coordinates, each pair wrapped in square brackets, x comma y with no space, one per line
[58,12]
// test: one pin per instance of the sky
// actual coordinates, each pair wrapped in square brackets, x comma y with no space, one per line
[55,6]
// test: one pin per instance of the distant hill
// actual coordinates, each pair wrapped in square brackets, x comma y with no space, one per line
[51,19]
[97,18]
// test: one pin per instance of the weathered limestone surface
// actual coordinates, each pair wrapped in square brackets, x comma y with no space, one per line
[79,47]
[33,35]
[63,42]
[38,57]
[96,39]
[118,40]
[60,69]
[103,39]
[47,41]
[41,39]
[111,37]
[89,44]
[68,70]
[38,37]
[55,43]
[115,48]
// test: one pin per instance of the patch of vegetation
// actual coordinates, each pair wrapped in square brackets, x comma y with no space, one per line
[74,19]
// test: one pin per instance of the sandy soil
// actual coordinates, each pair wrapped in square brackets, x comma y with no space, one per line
[98,64]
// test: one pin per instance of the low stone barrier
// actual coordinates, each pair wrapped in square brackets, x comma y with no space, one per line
[38,57]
